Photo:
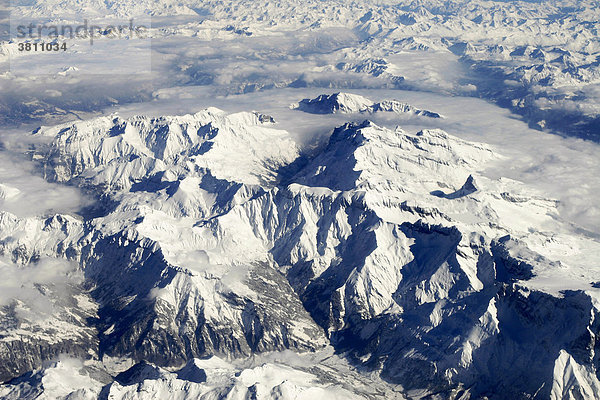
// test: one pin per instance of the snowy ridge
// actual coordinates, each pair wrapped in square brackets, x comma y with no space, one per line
[392,160]
[283,376]
[346,103]
[117,152]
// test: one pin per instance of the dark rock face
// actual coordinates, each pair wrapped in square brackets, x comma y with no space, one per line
[45,319]
[19,357]
[149,328]
[191,372]
[323,104]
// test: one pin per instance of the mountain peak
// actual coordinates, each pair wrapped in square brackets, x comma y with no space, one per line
[360,154]
[117,152]
[347,103]
[344,103]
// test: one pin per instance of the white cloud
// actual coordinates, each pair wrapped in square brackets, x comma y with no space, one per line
[34,288]
[24,192]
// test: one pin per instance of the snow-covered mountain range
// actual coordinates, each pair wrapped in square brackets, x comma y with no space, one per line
[214,237]
[237,222]
[538,58]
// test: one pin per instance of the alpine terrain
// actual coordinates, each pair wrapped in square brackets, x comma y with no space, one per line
[304,200]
